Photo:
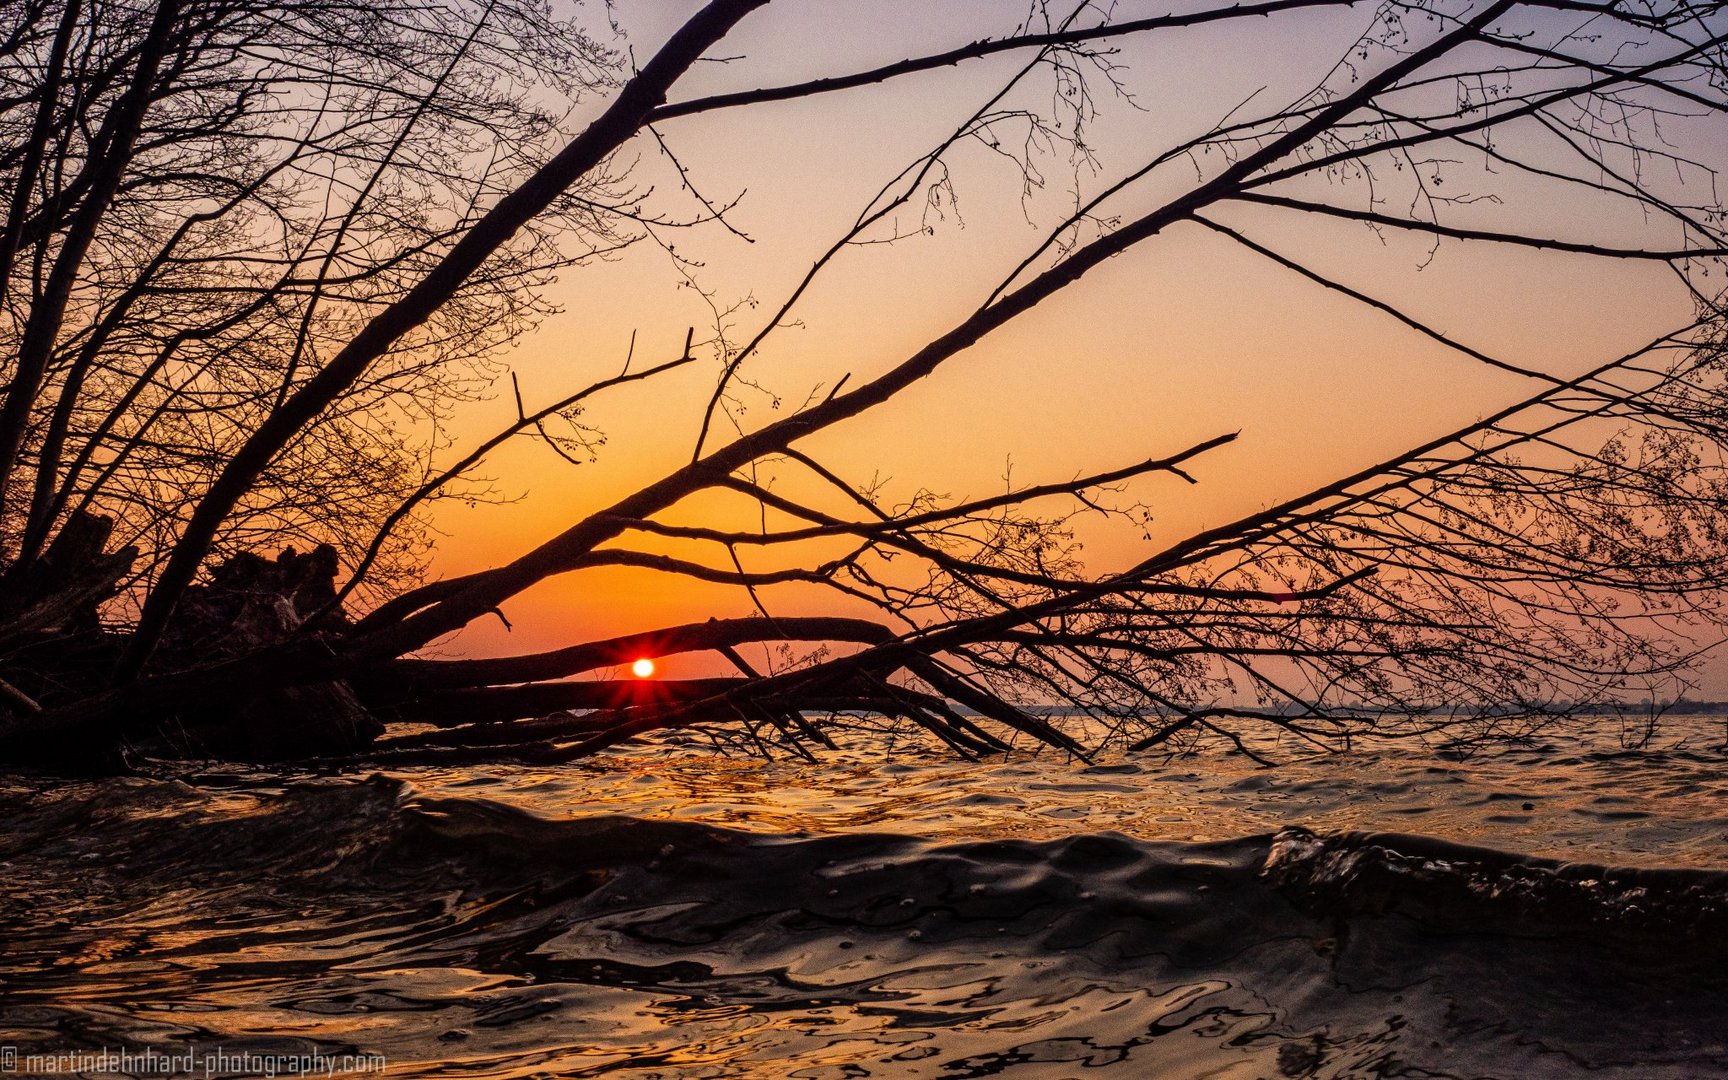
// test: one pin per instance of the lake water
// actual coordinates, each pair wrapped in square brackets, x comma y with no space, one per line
[1553,908]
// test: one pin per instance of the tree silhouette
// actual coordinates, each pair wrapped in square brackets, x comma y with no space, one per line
[1523,565]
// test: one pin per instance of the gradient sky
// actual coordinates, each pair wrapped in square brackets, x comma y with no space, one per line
[1183,338]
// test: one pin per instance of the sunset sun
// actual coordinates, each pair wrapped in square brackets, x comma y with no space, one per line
[642,668]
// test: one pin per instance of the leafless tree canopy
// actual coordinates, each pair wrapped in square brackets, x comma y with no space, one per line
[206,200]
[252,255]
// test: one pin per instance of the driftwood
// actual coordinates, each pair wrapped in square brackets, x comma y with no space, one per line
[54,646]
[249,604]
[63,592]
[51,633]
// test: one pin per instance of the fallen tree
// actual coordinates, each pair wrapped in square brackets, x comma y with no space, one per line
[1528,563]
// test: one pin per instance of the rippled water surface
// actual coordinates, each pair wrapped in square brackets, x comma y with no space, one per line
[889,912]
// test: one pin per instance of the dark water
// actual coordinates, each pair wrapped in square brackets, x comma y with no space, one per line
[1385,914]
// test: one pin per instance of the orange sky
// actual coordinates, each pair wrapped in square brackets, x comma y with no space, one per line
[1181,339]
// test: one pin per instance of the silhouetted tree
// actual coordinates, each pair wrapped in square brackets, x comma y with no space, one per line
[1525,564]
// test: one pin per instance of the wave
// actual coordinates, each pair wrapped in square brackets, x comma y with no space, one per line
[1457,886]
